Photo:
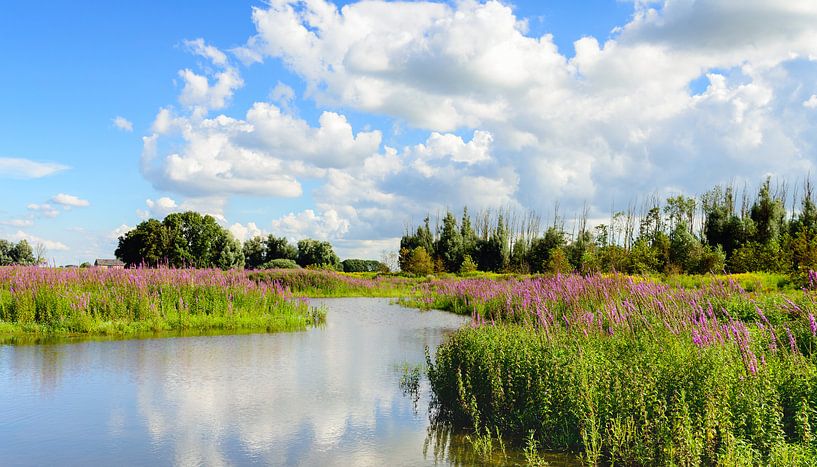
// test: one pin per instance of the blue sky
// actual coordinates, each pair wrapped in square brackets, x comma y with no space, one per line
[386,111]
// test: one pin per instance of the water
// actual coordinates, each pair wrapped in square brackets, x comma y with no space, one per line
[327,396]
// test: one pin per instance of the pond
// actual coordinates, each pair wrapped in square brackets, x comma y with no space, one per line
[328,396]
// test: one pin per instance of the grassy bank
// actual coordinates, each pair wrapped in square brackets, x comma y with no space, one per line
[129,302]
[632,371]
[329,284]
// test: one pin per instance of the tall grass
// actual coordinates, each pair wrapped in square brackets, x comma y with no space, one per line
[631,371]
[323,283]
[98,301]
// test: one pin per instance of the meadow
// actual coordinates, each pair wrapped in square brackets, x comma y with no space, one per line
[633,370]
[49,301]
[640,370]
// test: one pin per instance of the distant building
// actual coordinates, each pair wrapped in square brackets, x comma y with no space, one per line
[109,264]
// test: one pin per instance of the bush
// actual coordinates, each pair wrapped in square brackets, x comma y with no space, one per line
[363,265]
[280,263]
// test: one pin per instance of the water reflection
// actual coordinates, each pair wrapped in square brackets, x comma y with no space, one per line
[327,396]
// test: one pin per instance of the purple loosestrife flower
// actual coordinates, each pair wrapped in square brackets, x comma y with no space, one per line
[812,324]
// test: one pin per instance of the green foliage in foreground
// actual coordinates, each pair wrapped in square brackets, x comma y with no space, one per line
[646,399]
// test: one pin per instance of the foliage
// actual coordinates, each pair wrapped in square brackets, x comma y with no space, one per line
[259,251]
[683,235]
[280,263]
[632,371]
[416,261]
[363,265]
[317,253]
[185,239]
[20,253]
[130,301]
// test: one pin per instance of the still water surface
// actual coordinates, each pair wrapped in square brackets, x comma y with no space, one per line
[327,396]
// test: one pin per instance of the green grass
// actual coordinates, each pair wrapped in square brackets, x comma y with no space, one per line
[643,400]
[144,302]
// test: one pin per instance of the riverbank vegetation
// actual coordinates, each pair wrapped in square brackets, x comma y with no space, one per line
[774,230]
[94,301]
[633,371]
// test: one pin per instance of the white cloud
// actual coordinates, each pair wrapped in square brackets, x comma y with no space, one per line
[160,208]
[123,124]
[511,120]
[69,201]
[283,95]
[11,167]
[325,226]
[199,47]
[198,93]
[245,232]
[18,222]
[44,209]
[119,231]
[34,240]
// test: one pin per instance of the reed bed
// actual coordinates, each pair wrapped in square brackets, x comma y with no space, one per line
[626,370]
[134,301]
[318,283]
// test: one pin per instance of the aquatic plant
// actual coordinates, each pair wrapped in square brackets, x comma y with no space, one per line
[128,301]
[629,370]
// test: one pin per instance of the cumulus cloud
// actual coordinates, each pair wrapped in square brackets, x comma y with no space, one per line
[12,167]
[214,88]
[324,226]
[44,209]
[123,124]
[69,201]
[160,208]
[34,240]
[259,155]
[511,120]
[18,222]
[245,232]
[119,231]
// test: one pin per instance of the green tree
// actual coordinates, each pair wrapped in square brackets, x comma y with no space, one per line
[541,249]
[255,252]
[185,239]
[6,257]
[147,245]
[22,253]
[767,214]
[363,265]
[317,253]
[280,248]
[418,262]
[449,246]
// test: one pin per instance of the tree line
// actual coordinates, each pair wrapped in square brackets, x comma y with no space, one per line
[716,232]
[190,239]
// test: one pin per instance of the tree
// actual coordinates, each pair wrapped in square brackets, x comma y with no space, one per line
[185,239]
[230,254]
[363,265]
[280,248]
[418,262]
[22,253]
[449,247]
[768,214]
[468,265]
[316,253]
[541,248]
[5,252]
[255,252]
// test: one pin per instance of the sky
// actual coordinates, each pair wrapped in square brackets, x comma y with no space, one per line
[348,121]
